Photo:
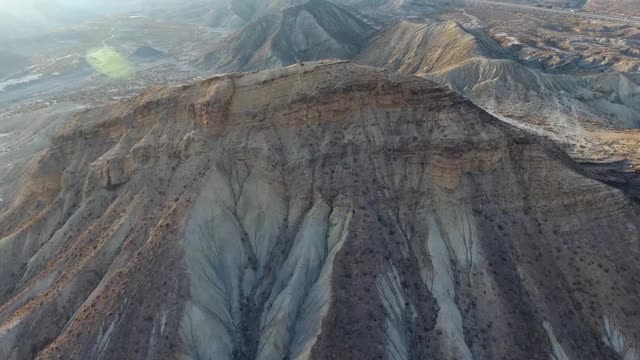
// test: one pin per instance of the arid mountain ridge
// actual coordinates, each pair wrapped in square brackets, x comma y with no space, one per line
[204,216]
[429,196]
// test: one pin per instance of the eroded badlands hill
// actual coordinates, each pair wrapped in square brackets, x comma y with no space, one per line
[324,211]
[314,30]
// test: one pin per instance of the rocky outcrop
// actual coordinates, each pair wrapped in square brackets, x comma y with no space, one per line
[324,211]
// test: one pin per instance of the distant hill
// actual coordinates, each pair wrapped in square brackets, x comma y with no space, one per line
[315,30]
[422,48]
[147,53]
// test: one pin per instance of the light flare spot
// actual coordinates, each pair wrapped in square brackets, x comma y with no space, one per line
[109,62]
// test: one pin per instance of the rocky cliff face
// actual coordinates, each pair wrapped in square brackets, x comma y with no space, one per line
[324,211]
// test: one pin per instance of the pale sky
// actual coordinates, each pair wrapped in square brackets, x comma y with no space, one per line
[60,12]
[28,8]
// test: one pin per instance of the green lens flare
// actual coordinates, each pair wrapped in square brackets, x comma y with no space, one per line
[108,62]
